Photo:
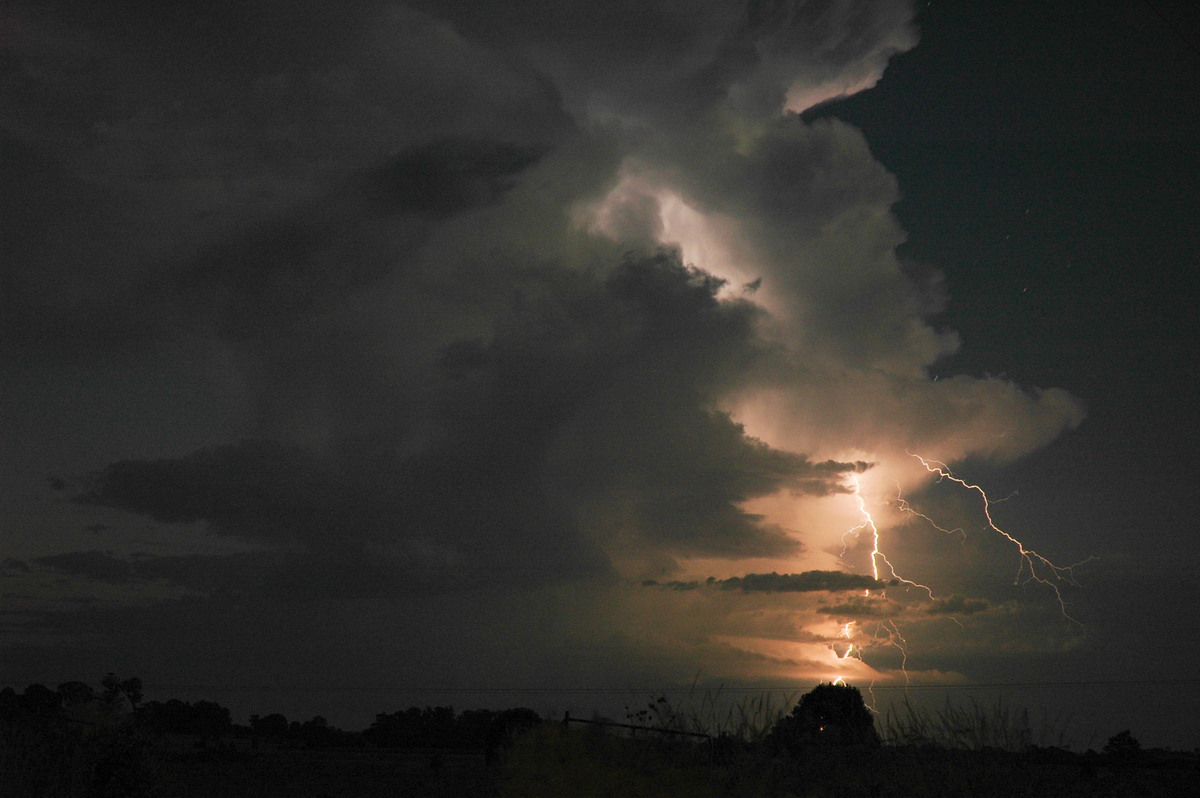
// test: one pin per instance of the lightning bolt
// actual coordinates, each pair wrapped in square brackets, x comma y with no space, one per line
[904,507]
[1031,566]
[847,634]
[877,555]
[896,640]
[884,633]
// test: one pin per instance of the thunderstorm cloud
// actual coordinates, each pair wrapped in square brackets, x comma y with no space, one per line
[466,296]
[806,582]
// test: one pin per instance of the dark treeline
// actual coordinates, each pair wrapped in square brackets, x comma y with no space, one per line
[439,727]
[120,702]
[107,742]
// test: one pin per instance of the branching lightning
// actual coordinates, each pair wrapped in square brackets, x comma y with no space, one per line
[886,632]
[904,507]
[892,637]
[854,638]
[877,554]
[1031,566]
[846,649]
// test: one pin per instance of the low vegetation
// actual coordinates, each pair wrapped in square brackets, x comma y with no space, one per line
[80,741]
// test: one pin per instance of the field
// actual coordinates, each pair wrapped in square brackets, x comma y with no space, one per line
[333,773]
[830,745]
[554,760]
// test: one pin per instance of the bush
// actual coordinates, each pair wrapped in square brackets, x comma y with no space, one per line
[1123,749]
[827,715]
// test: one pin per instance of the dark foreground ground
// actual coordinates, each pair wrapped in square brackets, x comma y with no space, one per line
[555,762]
[331,773]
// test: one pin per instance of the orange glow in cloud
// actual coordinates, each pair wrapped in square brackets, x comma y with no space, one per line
[810,400]
[862,519]
[869,528]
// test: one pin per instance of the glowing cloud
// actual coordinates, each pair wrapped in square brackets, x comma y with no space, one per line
[564,303]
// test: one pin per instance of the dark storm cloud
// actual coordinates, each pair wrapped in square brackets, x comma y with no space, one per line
[805,582]
[98,565]
[434,256]
[261,283]
[675,60]
[802,582]
[257,489]
[287,576]
[859,608]
[154,151]
[297,75]
[672,585]
[585,415]
[265,574]
[957,605]
[244,573]
[448,176]
[600,388]
[12,565]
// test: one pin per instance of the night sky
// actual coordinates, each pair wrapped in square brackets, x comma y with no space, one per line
[371,354]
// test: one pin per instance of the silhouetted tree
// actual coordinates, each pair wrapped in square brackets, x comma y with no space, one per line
[317,733]
[10,704]
[431,727]
[205,718]
[438,727]
[506,727]
[74,693]
[273,725]
[474,726]
[40,699]
[211,719]
[829,714]
[1122,748]
[114,688]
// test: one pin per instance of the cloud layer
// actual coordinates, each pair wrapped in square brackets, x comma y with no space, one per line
[505,300]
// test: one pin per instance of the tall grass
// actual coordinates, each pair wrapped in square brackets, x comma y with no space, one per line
[971,727]
[955,749]
[713,712]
